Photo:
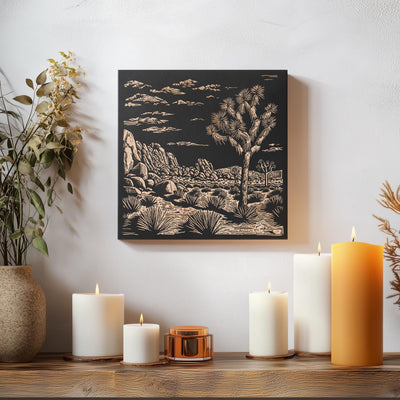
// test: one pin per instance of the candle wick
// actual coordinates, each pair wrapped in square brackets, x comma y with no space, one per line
[269,290]
[353,240]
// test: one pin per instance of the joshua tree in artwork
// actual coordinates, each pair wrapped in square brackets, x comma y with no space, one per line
[239,124]
[265,166]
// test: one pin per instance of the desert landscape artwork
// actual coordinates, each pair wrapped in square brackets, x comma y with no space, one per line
[202,154]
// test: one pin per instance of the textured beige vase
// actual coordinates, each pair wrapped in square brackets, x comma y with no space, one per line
[22,314]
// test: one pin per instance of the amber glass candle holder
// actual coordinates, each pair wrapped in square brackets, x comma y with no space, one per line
[188,343]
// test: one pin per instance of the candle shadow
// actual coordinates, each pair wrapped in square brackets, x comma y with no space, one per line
[298,190]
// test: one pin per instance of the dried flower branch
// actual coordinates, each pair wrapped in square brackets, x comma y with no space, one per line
[391,200]
[37,146]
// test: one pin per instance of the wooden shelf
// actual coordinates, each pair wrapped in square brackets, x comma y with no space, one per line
[228,375]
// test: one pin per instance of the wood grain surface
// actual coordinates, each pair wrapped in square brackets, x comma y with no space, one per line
[228,375]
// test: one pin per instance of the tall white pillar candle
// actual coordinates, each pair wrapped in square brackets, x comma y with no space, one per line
[268,323]
[312,303]
[97,324]
[141,343]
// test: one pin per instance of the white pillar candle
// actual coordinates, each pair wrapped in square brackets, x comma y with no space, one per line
[141,343]
[312,303]
[97,324]
[268,323]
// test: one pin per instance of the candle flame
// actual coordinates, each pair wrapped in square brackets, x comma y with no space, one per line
[319,248]
[141,319]
[353,234]
[97,292]
[269,286]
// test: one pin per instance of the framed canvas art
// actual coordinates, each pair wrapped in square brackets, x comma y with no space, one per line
[202,154]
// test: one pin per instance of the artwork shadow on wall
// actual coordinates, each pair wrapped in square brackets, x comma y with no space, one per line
[202,154]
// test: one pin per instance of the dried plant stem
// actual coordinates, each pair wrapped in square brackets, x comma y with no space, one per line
[391,200]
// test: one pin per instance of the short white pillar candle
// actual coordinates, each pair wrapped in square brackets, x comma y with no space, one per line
[97,323]
[141,343]
[268,323]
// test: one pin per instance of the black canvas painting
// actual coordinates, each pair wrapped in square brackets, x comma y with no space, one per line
[202,154]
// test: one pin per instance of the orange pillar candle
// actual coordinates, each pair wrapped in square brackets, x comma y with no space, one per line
[357,304]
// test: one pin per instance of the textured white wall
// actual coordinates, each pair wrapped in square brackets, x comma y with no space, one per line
[344,141]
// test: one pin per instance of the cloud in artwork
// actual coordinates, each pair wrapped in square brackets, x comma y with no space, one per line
[168,89]
[163,129]
[136,84]
[188,103]
[210,96]
[197,119]
[145,98]
[130,104]
[187,144]
[272,148]
[146,120]
[162,113]
[214,87]
[186,83]
[268,77]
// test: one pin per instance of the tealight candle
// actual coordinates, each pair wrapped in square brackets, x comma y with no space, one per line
[268,323]
[97,321]
[312,302]
[141,343]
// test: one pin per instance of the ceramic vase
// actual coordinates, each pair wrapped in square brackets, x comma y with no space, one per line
[22,314]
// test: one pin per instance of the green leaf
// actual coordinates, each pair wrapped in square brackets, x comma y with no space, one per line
[59,210]
[31,158]
[54,146]
[25,168]
[28,230]
[61,171]
[41,78]
[47,158]
[42,107]
[32,221]
[29,82]
[16,235]
[24,99]
[50,197]
[9,223]
[46,89]
[69,186]
[38,183]
[48,182]
[33,143]
[12,154]
[37,202]
[40,245]
[69,153]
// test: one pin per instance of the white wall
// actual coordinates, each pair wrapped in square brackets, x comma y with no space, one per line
[344,141]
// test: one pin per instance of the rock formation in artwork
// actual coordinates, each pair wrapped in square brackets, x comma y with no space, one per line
[152,162]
